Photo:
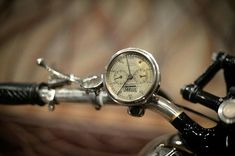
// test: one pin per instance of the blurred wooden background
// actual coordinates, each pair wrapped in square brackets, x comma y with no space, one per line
[80,37]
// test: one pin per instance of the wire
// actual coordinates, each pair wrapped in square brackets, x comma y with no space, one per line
[163,94]
[197,113]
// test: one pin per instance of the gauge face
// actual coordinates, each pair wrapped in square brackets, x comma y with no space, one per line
[131,76]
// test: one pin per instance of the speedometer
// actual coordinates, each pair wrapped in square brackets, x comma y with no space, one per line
[131,77]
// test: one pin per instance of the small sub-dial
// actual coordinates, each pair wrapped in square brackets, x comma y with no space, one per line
[120,76]
[140,76]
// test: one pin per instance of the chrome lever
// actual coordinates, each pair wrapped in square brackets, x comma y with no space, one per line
[56,76]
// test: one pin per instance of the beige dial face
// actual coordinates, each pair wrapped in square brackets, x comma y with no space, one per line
[130,76]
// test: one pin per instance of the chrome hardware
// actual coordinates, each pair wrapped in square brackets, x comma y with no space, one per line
[226,111]
[57,76]
[91,85]
[48,96]
[163,106]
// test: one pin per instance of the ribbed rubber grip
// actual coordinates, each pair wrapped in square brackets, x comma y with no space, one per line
[20,93]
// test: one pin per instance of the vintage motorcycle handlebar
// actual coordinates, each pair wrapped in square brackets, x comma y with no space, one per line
[193,139]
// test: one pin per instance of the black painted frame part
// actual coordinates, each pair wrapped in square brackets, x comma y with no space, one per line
[203,141]
[194,92]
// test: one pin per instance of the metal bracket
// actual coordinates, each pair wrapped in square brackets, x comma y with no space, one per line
[92,84]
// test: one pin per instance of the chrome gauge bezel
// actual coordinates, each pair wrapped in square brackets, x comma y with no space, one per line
[154,86]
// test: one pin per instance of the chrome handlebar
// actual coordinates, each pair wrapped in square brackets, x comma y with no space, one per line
[157,103]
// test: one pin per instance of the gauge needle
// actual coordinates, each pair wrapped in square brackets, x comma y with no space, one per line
[118,77]
[128,78]
[119,91]
[130,75]
[142,76]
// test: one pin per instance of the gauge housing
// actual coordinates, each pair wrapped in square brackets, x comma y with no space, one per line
[153,87]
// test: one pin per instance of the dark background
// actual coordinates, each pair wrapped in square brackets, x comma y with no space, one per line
[80,37]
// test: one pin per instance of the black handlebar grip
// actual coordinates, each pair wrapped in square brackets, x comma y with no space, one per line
[20,93]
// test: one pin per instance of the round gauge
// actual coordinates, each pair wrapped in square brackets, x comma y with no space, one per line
[132,76]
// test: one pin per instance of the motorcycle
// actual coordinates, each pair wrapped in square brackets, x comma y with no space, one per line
[132,79]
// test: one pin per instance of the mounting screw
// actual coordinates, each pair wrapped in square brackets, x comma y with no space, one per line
[137,111]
